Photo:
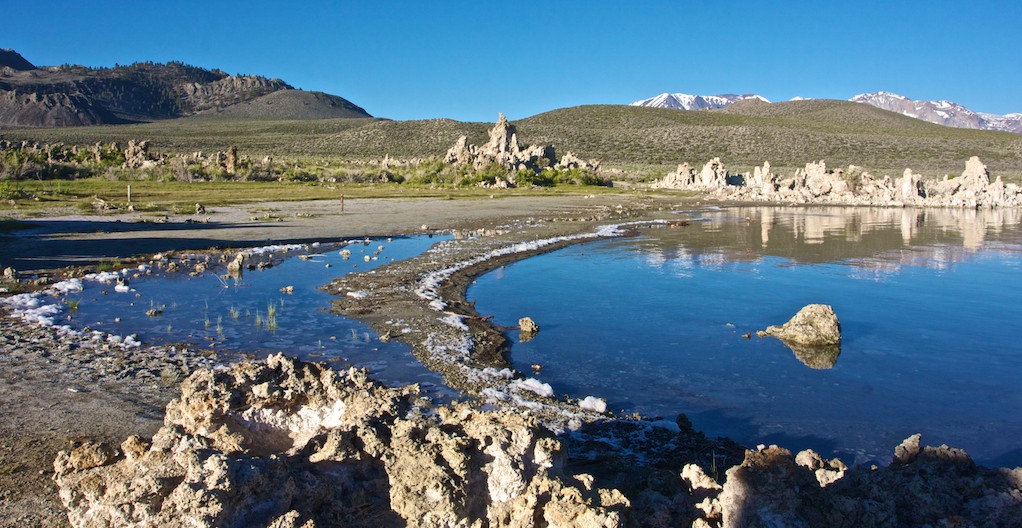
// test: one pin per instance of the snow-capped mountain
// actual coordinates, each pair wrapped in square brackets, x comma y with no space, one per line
[682,101]
[944,113]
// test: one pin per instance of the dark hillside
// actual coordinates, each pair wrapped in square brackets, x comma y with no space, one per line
[13,60]
[73,95]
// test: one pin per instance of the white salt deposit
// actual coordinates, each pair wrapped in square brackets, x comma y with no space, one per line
[592,403]
[533,385]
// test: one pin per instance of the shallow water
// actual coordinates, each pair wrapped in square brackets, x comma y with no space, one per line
[928,303]
[253,316]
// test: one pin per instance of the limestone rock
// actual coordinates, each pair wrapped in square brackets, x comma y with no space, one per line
[287,443]
[816,184]
[136,155]
[502,148]
[813,325]
[528,326]
[934,487]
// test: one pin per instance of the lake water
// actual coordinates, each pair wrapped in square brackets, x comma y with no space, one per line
[252,315]
[928,301]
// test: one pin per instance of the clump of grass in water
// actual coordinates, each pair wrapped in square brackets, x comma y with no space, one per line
[72,304]
[219,325]
[107,265]
[258,320]
[155,310]
[235,313]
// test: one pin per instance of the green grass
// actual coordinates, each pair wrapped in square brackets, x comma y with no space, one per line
[180,197]
[640,143]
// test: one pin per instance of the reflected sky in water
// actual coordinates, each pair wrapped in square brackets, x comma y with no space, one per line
[927,301]
[254,316]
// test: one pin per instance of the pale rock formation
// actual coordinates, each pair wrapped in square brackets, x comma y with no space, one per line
[816,184]
[235,266]
[922,487]
[10,274]
[826,471]
[136,155]
[713,175]
[288,443]
[231,163]
[813,325]
[684,177]
[502,148]
[528,326]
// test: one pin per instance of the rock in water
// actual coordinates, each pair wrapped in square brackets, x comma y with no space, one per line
[813,325]
[289,443]
[528,326]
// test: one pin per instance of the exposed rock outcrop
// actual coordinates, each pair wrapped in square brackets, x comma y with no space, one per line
[136,155]
[932,487]
[287,443]
[813,325]
[816,184]
[503,149]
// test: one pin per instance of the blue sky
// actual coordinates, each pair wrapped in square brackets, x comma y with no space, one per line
[470,60]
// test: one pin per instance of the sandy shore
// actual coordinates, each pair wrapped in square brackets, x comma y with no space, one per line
[56,391]
[60,240]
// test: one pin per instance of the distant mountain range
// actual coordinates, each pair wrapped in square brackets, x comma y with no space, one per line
[71,95]
[944,113]
[680,101]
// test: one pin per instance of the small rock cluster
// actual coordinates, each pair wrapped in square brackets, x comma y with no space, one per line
[815,184]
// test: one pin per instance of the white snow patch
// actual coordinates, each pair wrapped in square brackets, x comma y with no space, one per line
[358,294]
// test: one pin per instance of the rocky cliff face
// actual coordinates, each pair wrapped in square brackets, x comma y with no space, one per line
[75,95]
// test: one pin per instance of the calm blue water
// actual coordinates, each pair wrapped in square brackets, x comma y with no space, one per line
[928,302]
[201,311]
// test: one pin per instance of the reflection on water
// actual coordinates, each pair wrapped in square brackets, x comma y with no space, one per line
[655,325]
[266,311]
[822,357]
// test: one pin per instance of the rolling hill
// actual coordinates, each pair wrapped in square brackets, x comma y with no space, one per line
[641,141]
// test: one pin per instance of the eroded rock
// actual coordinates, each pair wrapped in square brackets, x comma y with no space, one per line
[816,184]
[813,325]
[288,443]
[503,148]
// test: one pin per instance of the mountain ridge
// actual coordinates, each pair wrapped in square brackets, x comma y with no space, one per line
[943,112]
[74,95]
